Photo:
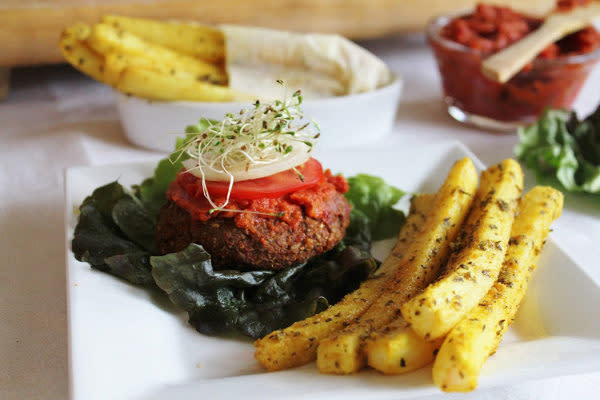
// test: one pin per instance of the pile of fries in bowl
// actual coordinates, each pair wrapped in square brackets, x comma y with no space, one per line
[151,59]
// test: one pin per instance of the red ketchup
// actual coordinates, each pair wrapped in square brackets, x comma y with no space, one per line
[553,79]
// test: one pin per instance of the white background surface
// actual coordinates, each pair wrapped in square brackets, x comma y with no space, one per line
[55,118]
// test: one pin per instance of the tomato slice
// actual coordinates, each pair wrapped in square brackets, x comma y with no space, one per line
[308,174]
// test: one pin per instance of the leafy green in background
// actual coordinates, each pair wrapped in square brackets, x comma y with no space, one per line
[115,234]
[561,146]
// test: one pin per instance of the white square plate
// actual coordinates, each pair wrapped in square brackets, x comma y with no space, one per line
[128,344]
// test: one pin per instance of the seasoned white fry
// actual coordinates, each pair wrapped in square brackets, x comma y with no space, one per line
[196,40]
[116,63]
[468,345]
[473,270]
[79,30]
[342,352]
[107,39]
[297,344]
[153,85]
[397,349]
[78,54]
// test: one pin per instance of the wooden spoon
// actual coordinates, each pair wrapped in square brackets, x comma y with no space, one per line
[505,64]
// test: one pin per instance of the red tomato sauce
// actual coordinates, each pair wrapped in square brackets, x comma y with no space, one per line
[490,29]
[310,201]
[567,5]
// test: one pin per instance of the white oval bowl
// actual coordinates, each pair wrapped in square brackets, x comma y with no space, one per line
[344,121]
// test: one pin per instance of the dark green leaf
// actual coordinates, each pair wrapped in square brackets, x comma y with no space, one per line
[104,246]
[105,197]
[337,273]
[358,232]
[133,266]
[256,302]
[560,147]
[192,266]
[136,223]
[587,135]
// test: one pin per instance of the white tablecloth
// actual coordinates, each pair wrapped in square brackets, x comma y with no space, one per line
[55,118]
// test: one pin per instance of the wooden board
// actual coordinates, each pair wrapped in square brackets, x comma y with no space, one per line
[29,30]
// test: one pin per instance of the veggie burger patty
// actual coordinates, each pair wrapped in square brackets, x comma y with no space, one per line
[273,233]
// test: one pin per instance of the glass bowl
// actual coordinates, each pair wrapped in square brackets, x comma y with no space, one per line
[474,99]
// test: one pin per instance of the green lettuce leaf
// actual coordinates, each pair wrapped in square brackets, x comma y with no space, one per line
[559,147]
[152,191]
[372,201]
[255,303]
